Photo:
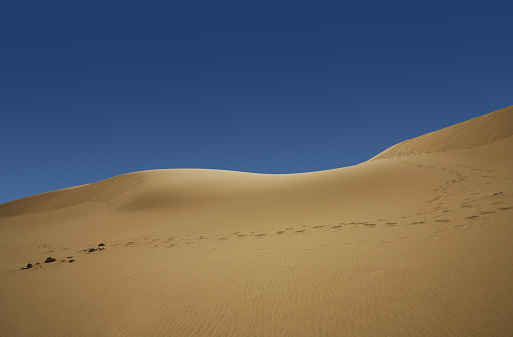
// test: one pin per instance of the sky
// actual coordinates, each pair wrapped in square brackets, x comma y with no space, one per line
[91,90]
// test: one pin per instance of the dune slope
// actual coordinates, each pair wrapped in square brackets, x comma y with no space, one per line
[415,242]
[486,129]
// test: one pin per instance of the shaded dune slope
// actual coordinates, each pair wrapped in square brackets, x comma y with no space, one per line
[106,193]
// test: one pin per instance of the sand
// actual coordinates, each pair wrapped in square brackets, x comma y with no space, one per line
[416,241]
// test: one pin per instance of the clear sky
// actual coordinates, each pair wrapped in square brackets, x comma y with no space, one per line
[90,90]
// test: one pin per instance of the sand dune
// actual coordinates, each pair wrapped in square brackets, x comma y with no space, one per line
[414,242]
[486,129]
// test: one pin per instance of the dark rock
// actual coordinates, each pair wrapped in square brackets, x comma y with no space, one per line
[29,265]
[69,257]
[101,244]
[49,259]
[90,250]
[71,261]
[38,263]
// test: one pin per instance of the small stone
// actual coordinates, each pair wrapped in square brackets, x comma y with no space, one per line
[90,250]
[29,265]
[69,257]
[71,261]
[49,259]
[101,244]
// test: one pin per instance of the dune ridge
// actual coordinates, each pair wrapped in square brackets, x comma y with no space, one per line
[478,131]
[417,243]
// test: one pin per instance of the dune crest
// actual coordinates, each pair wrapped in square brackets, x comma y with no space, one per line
[178,185]
[478,131]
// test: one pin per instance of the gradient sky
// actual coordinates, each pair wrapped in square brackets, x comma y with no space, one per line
[98,89]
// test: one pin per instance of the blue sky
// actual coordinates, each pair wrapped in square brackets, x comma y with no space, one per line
[93,90]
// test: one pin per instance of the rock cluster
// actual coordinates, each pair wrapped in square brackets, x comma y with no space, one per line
[29,265]
[49,259]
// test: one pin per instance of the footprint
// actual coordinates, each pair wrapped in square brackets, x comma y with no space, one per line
[300,231]
[280,232]
[391,223]
[443,220]
[260,235]
[369,224]
[222,239]
[417,222]
[472,217]
[504,208]
[336,227]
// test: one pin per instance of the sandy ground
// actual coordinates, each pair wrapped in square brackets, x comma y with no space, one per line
[415,242]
